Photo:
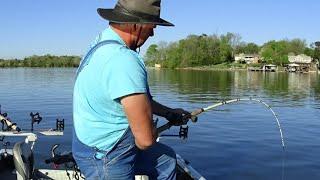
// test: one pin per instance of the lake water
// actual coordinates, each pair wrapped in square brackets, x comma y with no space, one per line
[238,141]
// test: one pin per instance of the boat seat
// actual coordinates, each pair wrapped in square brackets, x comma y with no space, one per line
[141,177]
[24,164]
[23,160]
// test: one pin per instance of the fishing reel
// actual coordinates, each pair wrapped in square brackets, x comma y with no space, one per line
[5,145]
[6,123]
[183,128]
[35,118]
[65,159]
[183,132]
[4,126]
[59,124]
[59,158]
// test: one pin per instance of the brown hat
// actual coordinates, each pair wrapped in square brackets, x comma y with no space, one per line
[135,11]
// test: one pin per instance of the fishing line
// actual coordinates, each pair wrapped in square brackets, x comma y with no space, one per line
[194,114]
[199,111]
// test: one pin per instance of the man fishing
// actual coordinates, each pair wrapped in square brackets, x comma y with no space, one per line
[114,135]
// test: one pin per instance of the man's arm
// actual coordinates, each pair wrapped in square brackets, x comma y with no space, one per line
[159,109]
[174,116]
[139,113]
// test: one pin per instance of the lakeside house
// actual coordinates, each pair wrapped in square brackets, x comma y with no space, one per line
[157,65]
[247,58]
[300,63]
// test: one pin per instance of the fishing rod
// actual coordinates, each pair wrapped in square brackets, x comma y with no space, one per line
[7,124]
[194,114]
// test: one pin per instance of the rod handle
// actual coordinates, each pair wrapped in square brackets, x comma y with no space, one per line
[195,113]
[9,123]
[163,128]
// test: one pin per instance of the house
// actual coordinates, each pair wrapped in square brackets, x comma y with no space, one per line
[300,59]
[247,58]
[299,63]
[157,65]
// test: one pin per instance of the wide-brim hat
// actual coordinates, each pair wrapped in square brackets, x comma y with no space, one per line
[135,11]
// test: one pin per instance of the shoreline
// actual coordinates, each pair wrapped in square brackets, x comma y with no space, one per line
[221,69]
[218,67]
[201,68]
[212,69]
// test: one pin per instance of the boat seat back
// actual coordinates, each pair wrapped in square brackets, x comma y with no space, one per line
[23,160]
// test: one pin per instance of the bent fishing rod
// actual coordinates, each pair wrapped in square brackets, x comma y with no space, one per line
[194,114]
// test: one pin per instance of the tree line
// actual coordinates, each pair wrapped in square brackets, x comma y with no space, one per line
[42,61]
[203,50]
[194,50]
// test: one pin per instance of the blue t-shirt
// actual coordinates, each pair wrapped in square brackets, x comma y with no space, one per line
[113,71]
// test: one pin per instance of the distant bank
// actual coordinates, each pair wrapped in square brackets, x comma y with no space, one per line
[42,61]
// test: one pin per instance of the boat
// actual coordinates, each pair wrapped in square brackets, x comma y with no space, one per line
[264,68]
[18,163]
[292,67]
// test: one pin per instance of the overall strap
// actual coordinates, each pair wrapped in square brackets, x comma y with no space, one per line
[85,60]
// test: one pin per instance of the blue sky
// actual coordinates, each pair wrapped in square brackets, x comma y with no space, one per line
[66,27]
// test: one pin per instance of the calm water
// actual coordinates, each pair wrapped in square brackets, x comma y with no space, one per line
[239,141]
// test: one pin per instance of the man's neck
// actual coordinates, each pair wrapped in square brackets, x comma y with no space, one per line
[126,36]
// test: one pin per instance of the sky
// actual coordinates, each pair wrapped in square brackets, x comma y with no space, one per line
[67,27]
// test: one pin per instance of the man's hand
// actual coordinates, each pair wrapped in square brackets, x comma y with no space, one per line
[178,117]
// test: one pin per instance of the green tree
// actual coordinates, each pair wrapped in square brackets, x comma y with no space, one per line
[251,48]
[275,52]
[317,51]
[309,52]
[43,61]
[296,46]
[152,53]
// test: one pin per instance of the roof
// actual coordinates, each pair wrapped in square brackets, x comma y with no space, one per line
[293,65]
[301,58]
[272,65]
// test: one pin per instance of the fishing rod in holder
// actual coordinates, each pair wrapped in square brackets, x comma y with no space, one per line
[10,128]
[193,117]
[35,118]
[7,124]
[59,124]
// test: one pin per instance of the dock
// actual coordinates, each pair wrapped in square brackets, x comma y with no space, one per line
[264,68]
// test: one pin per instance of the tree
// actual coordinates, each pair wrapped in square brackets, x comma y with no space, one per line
[152,53]
[309,52]
[252,48]
[275,52]
[296,46]
[43,61]
[317,50]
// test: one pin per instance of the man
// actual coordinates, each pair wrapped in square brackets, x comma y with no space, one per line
[114,136]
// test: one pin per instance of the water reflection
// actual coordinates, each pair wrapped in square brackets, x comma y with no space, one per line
[201,84]
[243,138]
[205,85]
[224,144]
